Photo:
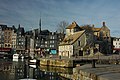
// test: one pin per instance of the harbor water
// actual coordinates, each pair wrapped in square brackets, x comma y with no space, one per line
[19,69]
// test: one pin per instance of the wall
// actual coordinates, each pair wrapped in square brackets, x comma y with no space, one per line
[66,50]
[82,40]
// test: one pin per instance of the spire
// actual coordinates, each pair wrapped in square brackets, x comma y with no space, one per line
[19,25]
[40,24]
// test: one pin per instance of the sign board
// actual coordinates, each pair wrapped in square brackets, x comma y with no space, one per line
[53,52]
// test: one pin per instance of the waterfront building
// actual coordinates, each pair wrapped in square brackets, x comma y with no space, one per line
[89,47]
[116,45]
[72,28]
[14,36]
[47,42]
[54,40]
[102,39]
[92,39]
[7,37]
[74,41]
[2,35]
[98,39]
[28,37]
[20,42]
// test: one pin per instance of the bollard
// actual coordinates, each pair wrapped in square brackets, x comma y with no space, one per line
[93,63]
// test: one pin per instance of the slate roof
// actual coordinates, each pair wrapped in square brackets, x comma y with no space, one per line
[3,26]
[72,38]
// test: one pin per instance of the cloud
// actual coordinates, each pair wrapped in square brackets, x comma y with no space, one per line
[28,12]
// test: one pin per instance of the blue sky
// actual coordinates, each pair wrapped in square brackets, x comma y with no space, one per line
[28,12]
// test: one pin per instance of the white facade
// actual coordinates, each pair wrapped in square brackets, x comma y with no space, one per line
[74,44]
[31,45]
[116,45]
[14,36]
[116,42]
[69,32]
[66,50]
[32,48]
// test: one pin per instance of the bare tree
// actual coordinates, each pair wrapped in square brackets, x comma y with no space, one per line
[62,26]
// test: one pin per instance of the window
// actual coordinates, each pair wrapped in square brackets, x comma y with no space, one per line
[53,41]
[78,43]
[5,45]
[50,41]
[19,43]
[52,45]
[45,45]
[8,45]
[45,42]
[53,37]
[22,43]
[36,44]
[50,37]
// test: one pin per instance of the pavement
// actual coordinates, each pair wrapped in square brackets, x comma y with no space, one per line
[103,72]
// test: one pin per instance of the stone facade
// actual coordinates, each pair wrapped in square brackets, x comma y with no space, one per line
[74,41]
[20,41]
[7,37]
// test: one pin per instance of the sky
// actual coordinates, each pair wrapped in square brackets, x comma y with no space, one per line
[27,13]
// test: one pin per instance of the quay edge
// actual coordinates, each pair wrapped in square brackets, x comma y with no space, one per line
[100,72]
[56,62]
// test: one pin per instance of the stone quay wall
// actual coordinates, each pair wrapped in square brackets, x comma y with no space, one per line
[56,62]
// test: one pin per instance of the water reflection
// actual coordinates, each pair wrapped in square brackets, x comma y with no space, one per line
[15,70]
[61,72]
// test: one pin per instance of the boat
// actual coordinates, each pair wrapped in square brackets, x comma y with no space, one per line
[33,66]
[32,61]
[15,56]
[15,59]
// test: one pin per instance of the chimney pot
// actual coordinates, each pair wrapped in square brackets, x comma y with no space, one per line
[103,23]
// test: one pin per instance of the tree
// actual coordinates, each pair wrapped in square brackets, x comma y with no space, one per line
[62,26]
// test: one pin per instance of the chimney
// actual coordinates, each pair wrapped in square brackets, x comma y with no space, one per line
[74,22]
[103,23]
